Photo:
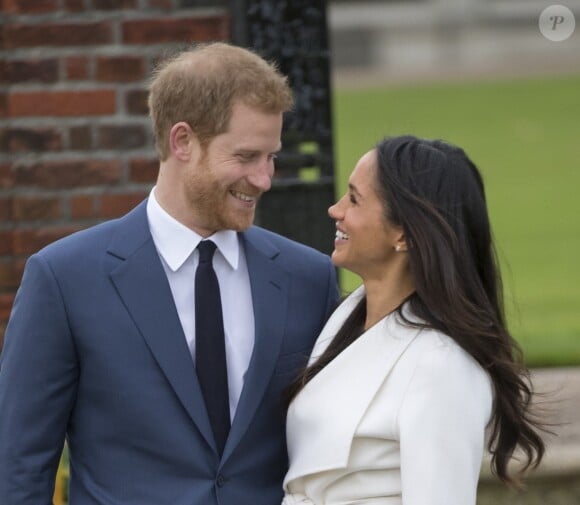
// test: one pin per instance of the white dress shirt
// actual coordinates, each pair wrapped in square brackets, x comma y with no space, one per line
[176,245]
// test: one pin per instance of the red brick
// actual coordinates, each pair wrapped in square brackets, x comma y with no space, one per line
[17,71]
[69,174]
[31,208]
[3,105]
[156,31]
[57,34]
[7,6]
[77,68]
[120,68]
[74,5]
[6,242]
[122,137]
[8,277]
[136,102]
[6,204]
[82,207]
[62,103]
[144,170]
[117,205]
[166,5]
[6,176]
[107,5]
[18,269]
[30,6]
[28,241]
[15,140]
[6,301]
[80,138]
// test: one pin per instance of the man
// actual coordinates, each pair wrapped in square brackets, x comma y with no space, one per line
[103,344]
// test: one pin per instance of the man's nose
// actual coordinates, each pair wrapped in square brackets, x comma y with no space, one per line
[261,176]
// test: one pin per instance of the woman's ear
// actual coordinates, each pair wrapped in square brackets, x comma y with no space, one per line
[182,141]
[401,243]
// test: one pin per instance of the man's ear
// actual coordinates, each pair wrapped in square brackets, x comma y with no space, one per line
[182,141]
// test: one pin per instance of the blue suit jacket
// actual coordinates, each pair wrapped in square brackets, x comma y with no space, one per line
[94,350]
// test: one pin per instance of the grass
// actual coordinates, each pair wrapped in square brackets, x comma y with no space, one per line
[524,135]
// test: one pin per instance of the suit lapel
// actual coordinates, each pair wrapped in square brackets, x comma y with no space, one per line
[143,287]
[341,393]
[269,285]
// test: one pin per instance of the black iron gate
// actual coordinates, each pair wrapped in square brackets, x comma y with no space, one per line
[294,34]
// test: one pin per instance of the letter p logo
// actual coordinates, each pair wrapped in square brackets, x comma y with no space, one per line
[557,23]
[556,20]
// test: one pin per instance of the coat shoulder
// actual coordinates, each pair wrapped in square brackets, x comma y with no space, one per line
[84,244]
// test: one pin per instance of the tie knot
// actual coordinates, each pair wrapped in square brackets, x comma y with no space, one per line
[206,249]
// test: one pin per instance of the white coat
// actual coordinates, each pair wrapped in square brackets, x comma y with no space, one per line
[398,417]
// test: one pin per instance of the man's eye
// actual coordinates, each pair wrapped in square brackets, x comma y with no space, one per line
[352,199]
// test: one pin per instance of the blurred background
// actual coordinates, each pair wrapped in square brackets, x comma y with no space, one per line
[411,40]
[480,74]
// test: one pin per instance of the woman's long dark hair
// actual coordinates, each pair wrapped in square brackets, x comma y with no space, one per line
[436,194]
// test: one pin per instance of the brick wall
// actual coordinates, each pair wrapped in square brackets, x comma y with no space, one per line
[75,142]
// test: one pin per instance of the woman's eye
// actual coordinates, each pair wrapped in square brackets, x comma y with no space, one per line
[352,199]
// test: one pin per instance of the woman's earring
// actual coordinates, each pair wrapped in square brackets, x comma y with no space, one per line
[398,248]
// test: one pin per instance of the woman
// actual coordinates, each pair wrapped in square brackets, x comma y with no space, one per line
[415,364]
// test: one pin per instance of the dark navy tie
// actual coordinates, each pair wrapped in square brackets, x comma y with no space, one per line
[210,350]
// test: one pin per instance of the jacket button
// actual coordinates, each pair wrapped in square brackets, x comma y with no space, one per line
[220,480]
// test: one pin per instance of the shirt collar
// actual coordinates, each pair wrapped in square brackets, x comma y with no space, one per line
[176,242]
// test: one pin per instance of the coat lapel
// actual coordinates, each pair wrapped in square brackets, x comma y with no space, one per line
[269,285]
[143,287]
[340,394]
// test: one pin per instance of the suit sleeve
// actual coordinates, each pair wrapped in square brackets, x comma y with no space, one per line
[442,424]
[38,377]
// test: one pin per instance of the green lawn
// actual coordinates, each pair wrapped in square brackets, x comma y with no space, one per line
[525,137]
